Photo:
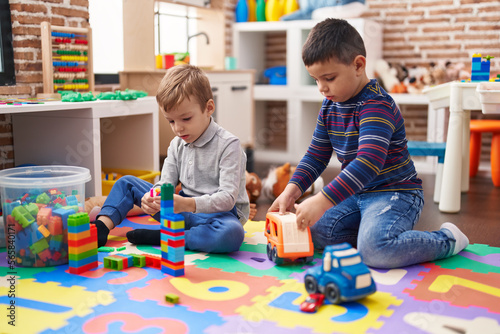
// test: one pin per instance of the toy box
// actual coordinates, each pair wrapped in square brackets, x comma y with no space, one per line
[36,203]
[489,96]
[110,175]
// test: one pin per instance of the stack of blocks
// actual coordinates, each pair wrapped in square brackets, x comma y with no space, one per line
[172,234]
[82,243]
[480,70]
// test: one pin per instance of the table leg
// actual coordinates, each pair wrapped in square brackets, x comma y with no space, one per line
[452,169]
[465,151]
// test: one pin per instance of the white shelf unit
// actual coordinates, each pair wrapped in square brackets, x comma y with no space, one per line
[300,95]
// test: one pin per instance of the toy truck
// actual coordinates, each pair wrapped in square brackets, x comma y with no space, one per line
[285,240]
[342,277]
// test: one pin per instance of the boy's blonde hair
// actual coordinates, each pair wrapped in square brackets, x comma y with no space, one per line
[182,82]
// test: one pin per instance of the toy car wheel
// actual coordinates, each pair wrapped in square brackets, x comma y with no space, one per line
[276,259]
[332,293]
[269,251]
[310,284]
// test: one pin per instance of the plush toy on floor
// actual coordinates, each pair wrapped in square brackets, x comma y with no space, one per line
[322,9]
[277,179]
[254,187]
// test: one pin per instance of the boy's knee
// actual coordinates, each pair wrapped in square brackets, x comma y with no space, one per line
[374,256]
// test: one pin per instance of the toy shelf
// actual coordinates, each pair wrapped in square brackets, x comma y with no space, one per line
[66,59]
[285,115]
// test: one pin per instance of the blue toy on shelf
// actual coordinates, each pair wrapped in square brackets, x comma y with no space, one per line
[276,75]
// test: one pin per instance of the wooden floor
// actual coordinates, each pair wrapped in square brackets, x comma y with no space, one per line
[479,217]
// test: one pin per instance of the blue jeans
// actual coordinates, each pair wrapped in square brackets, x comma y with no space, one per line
[380,225]
[219,232]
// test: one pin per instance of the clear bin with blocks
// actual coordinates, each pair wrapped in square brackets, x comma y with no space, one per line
[36,203]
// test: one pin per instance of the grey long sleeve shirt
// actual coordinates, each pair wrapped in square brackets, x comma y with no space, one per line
[211,170]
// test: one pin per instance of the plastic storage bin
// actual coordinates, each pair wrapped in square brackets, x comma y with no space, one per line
[36,203]
[489,96]
[145,175]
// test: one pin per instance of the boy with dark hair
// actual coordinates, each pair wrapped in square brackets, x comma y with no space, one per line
[377,198]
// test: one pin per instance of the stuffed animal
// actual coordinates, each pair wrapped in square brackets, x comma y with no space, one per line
[310,9]
[277,179]
[253,186]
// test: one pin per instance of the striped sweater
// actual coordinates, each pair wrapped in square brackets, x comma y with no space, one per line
[367,133]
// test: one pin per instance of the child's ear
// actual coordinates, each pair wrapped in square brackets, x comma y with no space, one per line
[210,107]
[360,63]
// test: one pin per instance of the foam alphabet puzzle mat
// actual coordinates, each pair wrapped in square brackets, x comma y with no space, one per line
[244,292]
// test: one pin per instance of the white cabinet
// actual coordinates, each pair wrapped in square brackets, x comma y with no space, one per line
[299,96]
[234,107]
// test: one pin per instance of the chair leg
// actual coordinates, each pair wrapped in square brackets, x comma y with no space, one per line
[437,183]
[495,159]
[475,153]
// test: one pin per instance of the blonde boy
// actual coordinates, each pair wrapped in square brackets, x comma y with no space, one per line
[206,159]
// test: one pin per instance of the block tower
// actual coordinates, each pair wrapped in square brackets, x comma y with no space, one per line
[82,243]
[172,234]
[480,70]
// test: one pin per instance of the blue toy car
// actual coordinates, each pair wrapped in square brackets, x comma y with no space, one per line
[342,277]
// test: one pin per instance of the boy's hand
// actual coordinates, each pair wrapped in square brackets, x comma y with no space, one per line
[184,204]
[150,205]
[286,199]
[311,210]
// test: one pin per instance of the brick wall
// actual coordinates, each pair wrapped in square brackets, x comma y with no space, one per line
[26,18]
[417,32]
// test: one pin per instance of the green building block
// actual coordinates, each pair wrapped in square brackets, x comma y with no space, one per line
[121,248]
[172,298]
[139,260]
[105,249]
[32,209]
[113,263]
[39,246]
[43,198]
[77,219]
[81,256]
[23,216]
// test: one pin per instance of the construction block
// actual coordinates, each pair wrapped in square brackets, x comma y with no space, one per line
[81,255]
[176,243]
[44,231]
[64,214]
[82,248]
[172,272]
[153,261]
[32,208]
[176,254]
[78,236]
[105,249]
[39,246]
[82,269]
[82,262]
[81,242]
[43,216]
[23,216]
[55,225]
[121,248]
[71,200]
[128,260]
[113,263]
[75,219]
[172,298]
[43,198]
[139,260]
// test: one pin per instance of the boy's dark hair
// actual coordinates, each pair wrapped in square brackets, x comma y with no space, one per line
[332,38]
[181,82]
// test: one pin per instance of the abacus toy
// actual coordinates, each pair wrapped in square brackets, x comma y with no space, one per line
[66,59]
